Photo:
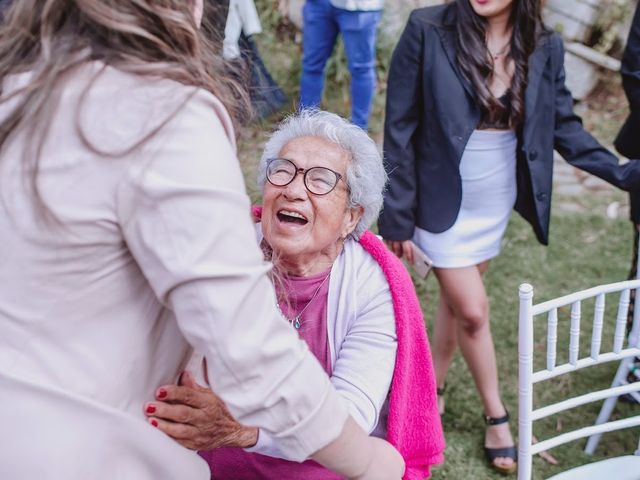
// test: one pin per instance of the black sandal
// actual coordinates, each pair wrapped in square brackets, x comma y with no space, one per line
[506,452]
[440,392]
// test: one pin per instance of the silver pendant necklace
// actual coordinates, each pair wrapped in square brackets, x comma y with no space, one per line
[499,53]
[295,321]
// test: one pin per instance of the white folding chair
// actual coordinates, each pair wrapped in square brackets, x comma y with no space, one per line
[620,378]
[625,468]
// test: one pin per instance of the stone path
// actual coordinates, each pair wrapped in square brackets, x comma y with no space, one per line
[573,188]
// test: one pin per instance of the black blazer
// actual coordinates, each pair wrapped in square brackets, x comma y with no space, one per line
[628,140]
[431,113]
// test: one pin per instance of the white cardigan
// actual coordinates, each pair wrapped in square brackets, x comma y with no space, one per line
[362,338]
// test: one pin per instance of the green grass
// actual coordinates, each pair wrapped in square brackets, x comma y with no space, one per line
[586,249]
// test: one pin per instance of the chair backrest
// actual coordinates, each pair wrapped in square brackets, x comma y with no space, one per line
[597,354]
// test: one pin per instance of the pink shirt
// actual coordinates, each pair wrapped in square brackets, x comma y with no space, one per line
[304,293]
[309,296]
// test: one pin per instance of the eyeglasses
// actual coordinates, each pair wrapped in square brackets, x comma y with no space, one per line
[318,180]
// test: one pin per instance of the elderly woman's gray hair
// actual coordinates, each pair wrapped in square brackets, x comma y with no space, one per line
[366,177]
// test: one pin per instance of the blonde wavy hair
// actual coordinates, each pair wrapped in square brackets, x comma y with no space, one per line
[158,38]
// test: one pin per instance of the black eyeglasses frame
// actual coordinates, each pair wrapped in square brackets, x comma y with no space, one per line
[304,173]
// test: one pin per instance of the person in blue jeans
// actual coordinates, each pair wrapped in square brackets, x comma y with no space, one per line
[357,21]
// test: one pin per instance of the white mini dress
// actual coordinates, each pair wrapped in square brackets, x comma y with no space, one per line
[488,173]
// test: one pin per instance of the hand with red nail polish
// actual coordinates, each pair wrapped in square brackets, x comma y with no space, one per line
[197,418]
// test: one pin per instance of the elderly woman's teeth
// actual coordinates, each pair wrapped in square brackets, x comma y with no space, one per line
[289,216]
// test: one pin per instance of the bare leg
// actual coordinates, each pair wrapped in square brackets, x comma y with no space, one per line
[463,291]
[445,339]
[444,345]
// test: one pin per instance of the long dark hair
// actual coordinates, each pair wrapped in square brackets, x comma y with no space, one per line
[476,63]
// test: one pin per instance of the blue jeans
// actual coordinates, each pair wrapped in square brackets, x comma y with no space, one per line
[322,23]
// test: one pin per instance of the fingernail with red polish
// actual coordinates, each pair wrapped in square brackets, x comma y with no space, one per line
[153,422]
[162,393]
[151,408]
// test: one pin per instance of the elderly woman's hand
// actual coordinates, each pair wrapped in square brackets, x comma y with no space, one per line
[197,418]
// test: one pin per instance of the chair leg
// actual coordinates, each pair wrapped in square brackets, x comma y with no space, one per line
[608,405]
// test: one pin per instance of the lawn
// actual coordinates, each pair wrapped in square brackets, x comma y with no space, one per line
[585,249]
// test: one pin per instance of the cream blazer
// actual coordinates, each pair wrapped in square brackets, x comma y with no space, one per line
[152,254]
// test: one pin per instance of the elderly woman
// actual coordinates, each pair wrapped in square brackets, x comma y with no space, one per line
[346,295]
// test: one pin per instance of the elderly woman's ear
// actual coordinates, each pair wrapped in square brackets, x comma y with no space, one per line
[352,218]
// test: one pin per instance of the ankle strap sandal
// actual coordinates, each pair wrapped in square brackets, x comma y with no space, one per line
[503,452]
[496,420]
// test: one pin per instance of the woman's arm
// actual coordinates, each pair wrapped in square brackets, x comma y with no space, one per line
[579,147]
[362,374]
[365,360]
[197,418]
[403,110]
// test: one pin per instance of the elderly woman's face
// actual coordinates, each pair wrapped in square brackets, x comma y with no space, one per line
[300,225]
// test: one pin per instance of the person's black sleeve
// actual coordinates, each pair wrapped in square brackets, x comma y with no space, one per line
[580,148]
[403,110]
[630,68]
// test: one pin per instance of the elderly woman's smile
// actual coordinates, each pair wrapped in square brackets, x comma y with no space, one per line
[290,216]
[307,229]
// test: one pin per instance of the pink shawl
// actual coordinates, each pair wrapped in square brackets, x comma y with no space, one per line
[414,427]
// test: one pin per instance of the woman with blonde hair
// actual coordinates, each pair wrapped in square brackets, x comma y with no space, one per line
[127,244]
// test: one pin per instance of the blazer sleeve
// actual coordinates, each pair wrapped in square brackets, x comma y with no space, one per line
[403,109]
[579,147]
[630,68]
[576,145]
[627,142]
